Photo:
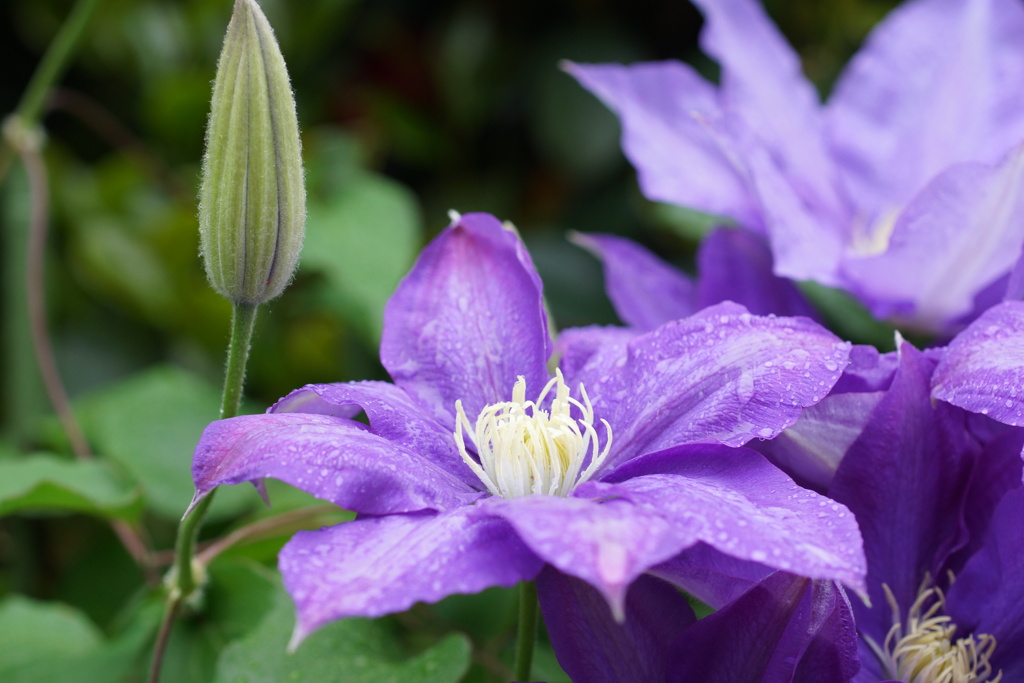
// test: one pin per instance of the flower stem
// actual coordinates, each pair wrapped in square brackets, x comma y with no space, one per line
[243,320]
[183,583]
[527,630]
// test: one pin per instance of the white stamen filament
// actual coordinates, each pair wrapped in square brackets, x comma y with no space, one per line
[922,650]
[525,449]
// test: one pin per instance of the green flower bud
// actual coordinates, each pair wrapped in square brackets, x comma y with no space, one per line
[252,204]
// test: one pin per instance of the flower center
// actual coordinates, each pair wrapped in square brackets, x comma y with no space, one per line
[922,650]
[525,449]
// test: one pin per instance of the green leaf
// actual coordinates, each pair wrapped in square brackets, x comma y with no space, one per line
[35,630]
[150,424]
[54,642]
[363,238]
[42,482]
[351,650]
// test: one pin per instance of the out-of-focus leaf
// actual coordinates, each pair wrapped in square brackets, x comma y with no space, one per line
[35,631]
[349,651]
[44,482]
[150,424]
[363,238]
[848,318]
[690,224]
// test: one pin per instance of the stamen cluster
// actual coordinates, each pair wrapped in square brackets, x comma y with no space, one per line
[525,449]
[923,650]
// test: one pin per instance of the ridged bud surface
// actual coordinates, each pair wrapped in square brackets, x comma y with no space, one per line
[252,203]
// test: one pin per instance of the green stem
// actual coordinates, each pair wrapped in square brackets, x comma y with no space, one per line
[527,630]
[54,62]
[243,321]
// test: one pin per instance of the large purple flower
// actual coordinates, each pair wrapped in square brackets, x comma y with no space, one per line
[478,468]
[937,493]
[904,190]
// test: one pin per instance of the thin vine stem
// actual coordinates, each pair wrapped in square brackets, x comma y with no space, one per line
[527,635]
[27,145]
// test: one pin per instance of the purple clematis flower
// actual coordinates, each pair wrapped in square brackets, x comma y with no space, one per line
[782,628]
[647,292]
[904,190]
[478,468]
[937,493]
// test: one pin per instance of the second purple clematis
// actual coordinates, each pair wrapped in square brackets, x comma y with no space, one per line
[905,189]
[478,467]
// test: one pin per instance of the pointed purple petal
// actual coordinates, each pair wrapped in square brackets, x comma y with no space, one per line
[960,234]
[983,368]
[608,544]
[786,628]
[665,109]
[645,290]
[811,450]
[721,375]
[934,85]
[379,565]
[905,480]
[467,320]
[393,415]
[763,81]
[987,595]
[591,646]
[736,265]
[737,502]
[714,578]
[332,458]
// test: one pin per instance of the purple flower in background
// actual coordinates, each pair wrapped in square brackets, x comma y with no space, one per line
[479,469]
[647,292]
[904,190]
[937,493]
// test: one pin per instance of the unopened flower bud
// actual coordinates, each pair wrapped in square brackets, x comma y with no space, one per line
[252,204]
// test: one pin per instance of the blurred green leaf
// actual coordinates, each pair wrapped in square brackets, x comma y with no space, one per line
[351,650]
[42,482]
[150,424]
[690,224]
[53,642]
[363,237]
[35,630]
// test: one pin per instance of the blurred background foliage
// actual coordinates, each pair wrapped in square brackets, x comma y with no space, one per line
[409,108]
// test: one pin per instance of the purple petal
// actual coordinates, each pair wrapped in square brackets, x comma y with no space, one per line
[983,368]
[721,375]
[608,544]
[332,458]
[665,109]
[591,353]
[960,234]
[934,85]
[811,450]
[393,415]
[592,646]
[714,578]
[375,566]
[905,480]
[987,595]
[787,628]
[645,290]
[737,502]
[762,80]
[467,320]
[736,265]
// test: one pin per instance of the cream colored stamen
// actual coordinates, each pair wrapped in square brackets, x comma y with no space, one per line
[525,449]
[922,649]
